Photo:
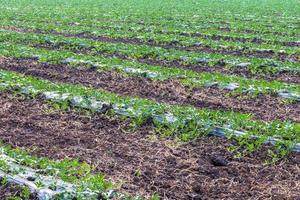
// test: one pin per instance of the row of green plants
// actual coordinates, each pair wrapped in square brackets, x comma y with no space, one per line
[132,51]
[146,34]
[182,122]
[188,78]
[180,22]
[67,178]
[153,27]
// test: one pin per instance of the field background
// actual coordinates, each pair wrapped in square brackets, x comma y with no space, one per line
[150,99]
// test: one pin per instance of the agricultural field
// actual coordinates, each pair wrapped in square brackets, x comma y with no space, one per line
[160,99]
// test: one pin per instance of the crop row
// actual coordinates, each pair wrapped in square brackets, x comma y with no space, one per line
[184,122]
[185,69]
[153,31]
[49,179]
[162,38]
[186,77]
[218,27]
[152,54]
[175,21]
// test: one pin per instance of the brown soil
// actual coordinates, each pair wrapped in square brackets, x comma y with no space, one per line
[144,164]
[170,91]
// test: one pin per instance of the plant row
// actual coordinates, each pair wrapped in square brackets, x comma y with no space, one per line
[183,122]
[54,179]
[182,22]
[150,35]
[188,78]
[132,51]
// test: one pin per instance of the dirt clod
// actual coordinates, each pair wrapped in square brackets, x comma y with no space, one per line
[218,161]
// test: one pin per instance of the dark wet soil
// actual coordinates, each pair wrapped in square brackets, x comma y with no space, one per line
[264,107]
[142,163]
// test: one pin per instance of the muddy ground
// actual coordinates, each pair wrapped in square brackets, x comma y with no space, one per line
[262,107]
[142,163]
